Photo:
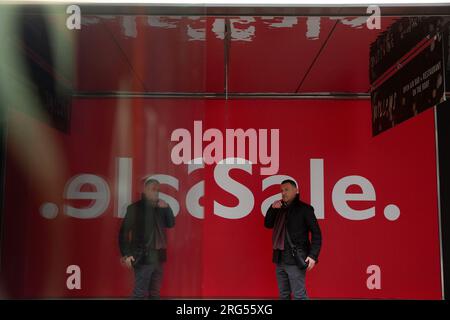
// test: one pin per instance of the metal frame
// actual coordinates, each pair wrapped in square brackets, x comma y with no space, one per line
[206,95]
[436,135]
[3,145]
[251,10]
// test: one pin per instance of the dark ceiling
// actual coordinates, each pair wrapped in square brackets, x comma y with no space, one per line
[191,54]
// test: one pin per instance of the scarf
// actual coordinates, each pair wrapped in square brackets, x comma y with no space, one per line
[279,229]
[159,232]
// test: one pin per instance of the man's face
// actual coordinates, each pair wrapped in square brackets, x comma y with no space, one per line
[288,192]
[151,191]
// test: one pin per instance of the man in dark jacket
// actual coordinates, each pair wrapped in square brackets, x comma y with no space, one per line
[142,240]
[293,218]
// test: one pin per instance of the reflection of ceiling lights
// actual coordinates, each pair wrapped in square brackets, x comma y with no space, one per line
[241,2]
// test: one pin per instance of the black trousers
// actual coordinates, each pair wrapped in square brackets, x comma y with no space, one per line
[147,281]
[291,281]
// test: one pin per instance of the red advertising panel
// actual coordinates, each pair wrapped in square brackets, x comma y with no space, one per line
[375,197]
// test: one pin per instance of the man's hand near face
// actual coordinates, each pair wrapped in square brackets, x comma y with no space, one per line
[162,204]
[276,204]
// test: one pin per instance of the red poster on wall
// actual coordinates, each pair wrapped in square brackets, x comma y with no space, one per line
[375,197]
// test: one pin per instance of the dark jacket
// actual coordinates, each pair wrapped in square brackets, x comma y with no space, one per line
[301,221]
[132,234]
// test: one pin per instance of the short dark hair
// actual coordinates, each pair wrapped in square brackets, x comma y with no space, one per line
[292,182]
[150,181]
